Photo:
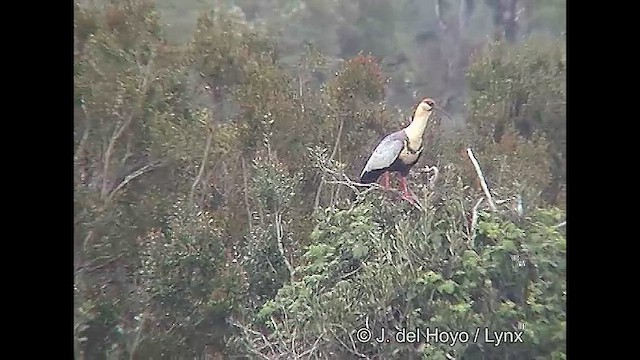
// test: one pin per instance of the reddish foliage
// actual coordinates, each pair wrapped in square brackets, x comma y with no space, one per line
[370,63]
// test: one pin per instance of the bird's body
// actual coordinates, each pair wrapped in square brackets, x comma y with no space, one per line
[399,151]
[396,151]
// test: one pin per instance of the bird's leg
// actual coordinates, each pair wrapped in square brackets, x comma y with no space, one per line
[403,185]
[406,193]
[385,180]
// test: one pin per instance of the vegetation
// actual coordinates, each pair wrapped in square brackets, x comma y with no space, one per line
[215,210]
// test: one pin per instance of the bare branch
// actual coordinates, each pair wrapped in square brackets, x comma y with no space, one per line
[128,153]
[281,246]
[123,126]
[92,267]
[333,154]
[483,183]
[434,178]
[354,185]
[87,240]
[474,218]
[247,330]
[561,224]
[203,164]
[85,134]
[351,272]
[301,83]
[353,349]
[314,347]
[246,193]
[133,175]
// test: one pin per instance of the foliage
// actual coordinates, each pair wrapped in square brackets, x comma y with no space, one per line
[189,284]
[519,104]
[203,228]
[356,94]
[372,265]
[265,258]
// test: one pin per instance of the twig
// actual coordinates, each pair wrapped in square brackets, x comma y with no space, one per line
[432,180]
[87,240]
[333,154]
[87,267]
[354,348]
[561,224]
[132,176]
[314,347]
[281,246]
[474,218]
[264,339]
[300,82]
[354,185]
[122,127]
[246,193]
[85,135]
[351,272]
[293,343]
[203,163]
[337,143]
[483,183]
[136,341]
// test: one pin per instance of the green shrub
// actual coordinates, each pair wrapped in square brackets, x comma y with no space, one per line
[518,97]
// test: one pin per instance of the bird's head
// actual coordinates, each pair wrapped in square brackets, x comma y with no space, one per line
[425,107]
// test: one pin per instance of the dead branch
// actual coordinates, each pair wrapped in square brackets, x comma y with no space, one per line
[136,341]
[474,218]
[314,347]
[483,183]
[87,240]
[353,349]
[247,331]
[85,134]
[301,83]
[353,185]
[351,272]
[203,164]
[281,246]
[128,153]
[133,175]
[91,266]
[246,193]
[333,154]
[123,125]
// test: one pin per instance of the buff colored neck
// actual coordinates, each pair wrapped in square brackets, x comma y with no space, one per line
[416,129]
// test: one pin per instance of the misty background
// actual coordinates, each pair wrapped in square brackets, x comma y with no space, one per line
[424,45]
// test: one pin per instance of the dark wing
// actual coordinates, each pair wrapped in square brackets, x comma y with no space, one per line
[385,153]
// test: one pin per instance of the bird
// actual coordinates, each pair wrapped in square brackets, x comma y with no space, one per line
[399,151]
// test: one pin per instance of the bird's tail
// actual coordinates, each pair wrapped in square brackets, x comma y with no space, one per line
[370,177]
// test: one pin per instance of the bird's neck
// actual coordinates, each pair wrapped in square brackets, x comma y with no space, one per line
[415,130]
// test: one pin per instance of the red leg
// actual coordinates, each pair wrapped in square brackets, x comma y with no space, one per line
[403,185]
[406,194]
[385,180]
